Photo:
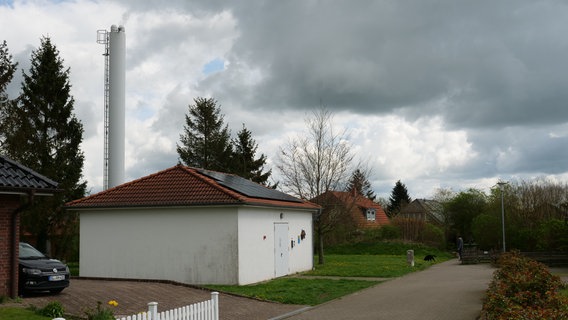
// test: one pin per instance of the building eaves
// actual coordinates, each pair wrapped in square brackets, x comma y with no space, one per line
[16,178]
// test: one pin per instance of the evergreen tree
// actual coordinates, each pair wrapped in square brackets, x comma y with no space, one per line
[244,162]
[7,70]
[360,184]
[41,132]
[206,141]
[398,199]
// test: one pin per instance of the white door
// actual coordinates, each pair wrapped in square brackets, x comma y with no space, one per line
[281,249]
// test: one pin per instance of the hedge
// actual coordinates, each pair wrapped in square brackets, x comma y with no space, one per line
[524,289]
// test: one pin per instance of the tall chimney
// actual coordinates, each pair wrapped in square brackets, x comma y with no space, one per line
[116,116]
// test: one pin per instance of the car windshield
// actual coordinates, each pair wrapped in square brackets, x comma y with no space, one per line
[29,252]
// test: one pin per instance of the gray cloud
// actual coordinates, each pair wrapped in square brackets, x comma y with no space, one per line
[480,66]
[492,64]
[493,73]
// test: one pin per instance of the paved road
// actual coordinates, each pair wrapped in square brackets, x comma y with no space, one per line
[445,291]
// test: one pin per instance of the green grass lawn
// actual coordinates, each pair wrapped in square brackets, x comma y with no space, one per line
[383,266]
[382,260]
[297,290]
[387,248]
[375,259]
[15,313]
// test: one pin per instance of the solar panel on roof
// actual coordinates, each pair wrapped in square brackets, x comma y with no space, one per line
[247,187]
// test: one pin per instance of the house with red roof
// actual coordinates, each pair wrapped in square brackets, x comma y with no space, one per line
[194,226]
[19,186]
[357,209]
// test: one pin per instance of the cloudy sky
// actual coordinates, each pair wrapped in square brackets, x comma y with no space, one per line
[437,94]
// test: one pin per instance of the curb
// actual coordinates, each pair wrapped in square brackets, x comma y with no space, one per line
[292,313]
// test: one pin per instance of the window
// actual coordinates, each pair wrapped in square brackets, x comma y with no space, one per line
[371,214]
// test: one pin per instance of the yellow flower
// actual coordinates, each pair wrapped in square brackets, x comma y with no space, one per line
[113,303]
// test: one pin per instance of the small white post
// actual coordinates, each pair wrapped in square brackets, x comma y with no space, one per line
[153,310]
[215,298]
[410,257]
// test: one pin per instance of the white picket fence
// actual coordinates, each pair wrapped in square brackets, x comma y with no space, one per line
[205,310]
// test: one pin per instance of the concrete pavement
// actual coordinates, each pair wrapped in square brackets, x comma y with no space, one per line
[445,291]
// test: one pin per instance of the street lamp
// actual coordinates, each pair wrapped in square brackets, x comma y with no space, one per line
[501,184]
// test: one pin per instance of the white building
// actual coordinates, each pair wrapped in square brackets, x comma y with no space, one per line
[194,226]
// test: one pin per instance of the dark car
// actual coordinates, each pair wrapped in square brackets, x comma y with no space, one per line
[40,273]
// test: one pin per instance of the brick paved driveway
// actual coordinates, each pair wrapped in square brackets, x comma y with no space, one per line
[133,296]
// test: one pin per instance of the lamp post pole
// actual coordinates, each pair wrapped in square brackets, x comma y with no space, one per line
[501,184]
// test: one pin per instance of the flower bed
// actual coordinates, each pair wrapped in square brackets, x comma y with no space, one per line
[524,289]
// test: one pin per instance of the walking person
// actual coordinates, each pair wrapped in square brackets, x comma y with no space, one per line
[460,247]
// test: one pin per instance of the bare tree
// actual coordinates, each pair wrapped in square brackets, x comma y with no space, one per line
[532,202]
[443,195]
[314,163]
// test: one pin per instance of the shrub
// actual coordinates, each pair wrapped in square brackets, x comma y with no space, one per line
[389,232]
[385,248]
[486,231]
[524,289]
[385,232]
[53,309]
[553,236]
[433,236]
[101,313]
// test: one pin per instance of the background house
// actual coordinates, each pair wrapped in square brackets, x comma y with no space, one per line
[18,186]
[194,226]
[347,212]
[430,211]
[364,213]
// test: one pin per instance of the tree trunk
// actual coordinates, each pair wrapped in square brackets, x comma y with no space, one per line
[320,248]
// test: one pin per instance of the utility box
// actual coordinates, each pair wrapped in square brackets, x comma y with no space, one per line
[410,257]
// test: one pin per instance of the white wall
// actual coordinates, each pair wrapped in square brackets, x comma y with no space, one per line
[302,255]
[256,242]
[196,246]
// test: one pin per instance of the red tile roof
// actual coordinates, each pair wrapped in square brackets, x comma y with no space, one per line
[177,186]
[357,207]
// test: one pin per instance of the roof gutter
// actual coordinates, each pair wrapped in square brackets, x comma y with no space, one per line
[26,191]
[185,205]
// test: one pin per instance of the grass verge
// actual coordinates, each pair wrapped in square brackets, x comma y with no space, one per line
[15,313]
[383,266]
[396,248]
[297,290]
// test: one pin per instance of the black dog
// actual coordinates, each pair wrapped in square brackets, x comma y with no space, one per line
[430,257]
